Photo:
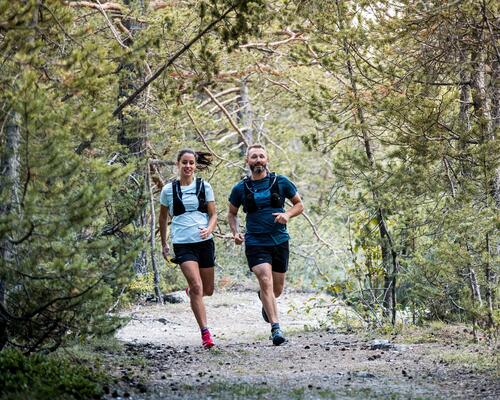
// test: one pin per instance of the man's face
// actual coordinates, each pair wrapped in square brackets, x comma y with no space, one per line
[257,160]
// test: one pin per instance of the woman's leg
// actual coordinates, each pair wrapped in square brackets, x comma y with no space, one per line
[191,271]
[207,280]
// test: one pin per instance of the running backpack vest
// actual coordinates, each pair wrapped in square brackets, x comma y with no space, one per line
[177,197]
[276,199]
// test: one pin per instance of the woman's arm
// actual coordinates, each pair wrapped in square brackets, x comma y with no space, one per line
[212,220]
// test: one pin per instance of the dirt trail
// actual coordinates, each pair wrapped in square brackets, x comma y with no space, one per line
[314,363]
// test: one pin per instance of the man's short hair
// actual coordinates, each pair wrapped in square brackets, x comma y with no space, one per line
[255,146]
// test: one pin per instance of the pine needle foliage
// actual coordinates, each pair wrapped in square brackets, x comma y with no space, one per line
[59,266]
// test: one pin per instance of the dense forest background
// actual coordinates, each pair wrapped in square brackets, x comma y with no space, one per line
[384,113]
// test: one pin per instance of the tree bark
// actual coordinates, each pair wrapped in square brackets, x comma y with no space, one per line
[483,111]
[9,183]
[152,229]
[245,113]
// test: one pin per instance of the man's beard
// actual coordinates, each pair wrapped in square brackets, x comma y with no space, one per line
[257,169]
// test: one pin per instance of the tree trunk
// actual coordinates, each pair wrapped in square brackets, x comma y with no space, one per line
[483,110]
[152,219]
[9,183]
[132,131]
[245,113]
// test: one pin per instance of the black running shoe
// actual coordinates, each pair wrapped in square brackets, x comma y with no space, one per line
[264,315]
[278,337]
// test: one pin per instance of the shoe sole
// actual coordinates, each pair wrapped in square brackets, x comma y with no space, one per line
[278,341]
[264,315]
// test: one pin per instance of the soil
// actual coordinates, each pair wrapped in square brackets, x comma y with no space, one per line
[164,359]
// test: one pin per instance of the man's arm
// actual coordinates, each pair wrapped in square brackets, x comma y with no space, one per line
[232,219]
[163,222]
[296,209]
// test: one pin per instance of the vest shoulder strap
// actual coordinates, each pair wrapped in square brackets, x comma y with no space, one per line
[200,193]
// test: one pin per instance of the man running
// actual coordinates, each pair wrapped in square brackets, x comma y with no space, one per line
[262,196]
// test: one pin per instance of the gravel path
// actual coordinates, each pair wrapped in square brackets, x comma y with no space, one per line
[315,363]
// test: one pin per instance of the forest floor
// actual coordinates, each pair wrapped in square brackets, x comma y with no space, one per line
[162,357]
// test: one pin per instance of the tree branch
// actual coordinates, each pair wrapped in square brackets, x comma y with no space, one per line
[226,113]
[181,51]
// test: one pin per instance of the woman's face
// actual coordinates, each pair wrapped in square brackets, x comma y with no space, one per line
[186,165]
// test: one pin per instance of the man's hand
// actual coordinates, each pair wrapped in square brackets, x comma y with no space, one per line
[165,251]
[238,238]
[281,218]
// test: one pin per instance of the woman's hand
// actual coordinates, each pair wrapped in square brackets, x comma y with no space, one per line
[165,251]
[204,233]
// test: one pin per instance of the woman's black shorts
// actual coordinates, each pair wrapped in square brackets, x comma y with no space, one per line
[276,255]
[201,252]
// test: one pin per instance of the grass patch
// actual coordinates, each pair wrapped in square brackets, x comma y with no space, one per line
[481,361]
[226,390]
[433,332]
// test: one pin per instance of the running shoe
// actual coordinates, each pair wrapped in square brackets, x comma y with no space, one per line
[278,337]
[206,339]
[264,315]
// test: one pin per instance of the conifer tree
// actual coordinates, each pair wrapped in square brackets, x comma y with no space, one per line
[60,264]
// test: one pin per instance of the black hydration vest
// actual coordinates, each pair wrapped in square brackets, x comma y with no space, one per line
[276,199]
[177,197]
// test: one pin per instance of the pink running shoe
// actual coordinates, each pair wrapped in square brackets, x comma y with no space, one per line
[206,339]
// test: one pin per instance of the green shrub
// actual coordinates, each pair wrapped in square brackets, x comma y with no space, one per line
[41,377]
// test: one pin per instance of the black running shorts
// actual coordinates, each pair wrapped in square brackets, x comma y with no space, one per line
[201,252]
[277,256]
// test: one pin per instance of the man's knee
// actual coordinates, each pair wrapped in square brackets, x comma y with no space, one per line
[208,291]
[266,281]
[196,289]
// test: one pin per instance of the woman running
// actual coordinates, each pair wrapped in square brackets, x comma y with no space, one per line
[190,204]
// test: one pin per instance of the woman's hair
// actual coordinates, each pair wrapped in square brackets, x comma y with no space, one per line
[202,158]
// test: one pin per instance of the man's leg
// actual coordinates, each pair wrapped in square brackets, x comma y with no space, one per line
[278,283]
[264,275]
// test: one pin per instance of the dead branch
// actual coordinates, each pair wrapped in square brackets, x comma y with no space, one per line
[292,36]
[226,113]
[106,6]
[203,139]
[315,230]
[223,93]
[228,101]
